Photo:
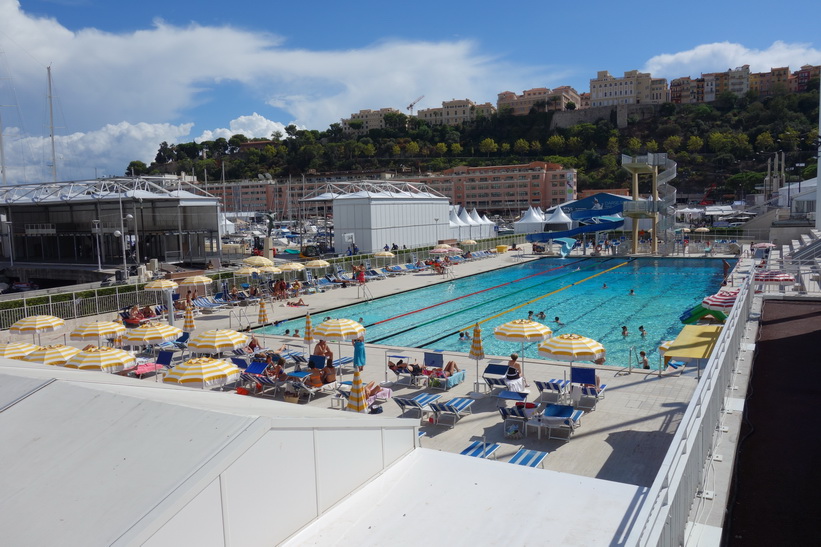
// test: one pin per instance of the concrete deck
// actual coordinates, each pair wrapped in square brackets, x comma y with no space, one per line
[624,439]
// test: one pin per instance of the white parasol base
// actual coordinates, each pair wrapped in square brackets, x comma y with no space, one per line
[476,394]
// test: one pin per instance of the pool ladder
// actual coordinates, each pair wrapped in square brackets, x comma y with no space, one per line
[629,370]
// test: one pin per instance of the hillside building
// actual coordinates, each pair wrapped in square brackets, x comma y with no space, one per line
[633,88]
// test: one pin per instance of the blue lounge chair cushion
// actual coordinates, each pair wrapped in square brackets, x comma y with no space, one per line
[478,449]
[528,458]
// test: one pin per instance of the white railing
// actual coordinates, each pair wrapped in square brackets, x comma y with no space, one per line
[663,517]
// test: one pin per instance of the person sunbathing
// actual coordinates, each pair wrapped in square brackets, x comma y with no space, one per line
[276,370]
[372,390]
[296,303]
[328,375]
[314,378]
[447,371]
[148,312]
[401,367]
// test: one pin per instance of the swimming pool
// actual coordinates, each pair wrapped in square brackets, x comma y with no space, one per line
[591,296]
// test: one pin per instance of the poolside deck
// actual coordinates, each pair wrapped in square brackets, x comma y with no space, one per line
[623,440]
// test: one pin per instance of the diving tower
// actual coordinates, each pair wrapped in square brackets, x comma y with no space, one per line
[662,200]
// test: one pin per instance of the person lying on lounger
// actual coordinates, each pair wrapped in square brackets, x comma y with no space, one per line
[405,368]
[372,389]
[296,303]
[447,371]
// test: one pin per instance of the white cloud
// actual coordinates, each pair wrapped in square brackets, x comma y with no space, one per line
[253,126]
[723,56]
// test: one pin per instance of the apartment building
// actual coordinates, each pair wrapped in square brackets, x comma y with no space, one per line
[802,77]
[504,189]
[455,112]
[539,98]
[633,88]
[738,80]
[371,119]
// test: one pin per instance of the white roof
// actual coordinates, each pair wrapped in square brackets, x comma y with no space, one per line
[455,220]
[465,217]
[475,216]
[440,498]
[558,217]
[531,215]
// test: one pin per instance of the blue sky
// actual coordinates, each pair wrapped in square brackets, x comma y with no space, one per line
[131,74]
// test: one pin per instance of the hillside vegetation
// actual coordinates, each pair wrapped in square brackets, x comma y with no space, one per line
[724,144]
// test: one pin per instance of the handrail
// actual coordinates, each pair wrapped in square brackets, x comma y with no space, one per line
[663,517]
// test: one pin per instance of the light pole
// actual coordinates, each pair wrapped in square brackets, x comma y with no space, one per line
[121,233]
[11,241]
[97,236]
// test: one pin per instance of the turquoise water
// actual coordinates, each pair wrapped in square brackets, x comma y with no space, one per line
[572,289]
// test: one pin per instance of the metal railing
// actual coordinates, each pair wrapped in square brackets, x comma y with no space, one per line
[663,517]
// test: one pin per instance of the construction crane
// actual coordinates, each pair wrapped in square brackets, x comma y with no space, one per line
[410,106]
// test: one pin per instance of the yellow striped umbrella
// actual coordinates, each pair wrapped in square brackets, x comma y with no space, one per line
[188,324]
[37,325]
[522,331]
[339,330]
[55,354]
[98,329]
[160,285]
[468,242]
[270,270]
[246,270]
[262,318]
[571,347]
[291,267]
[477,351]
[196,280]
[202,372]
[384,254]
[103,359]
[218,340]
[317,264]
[308,333]
[664,346]
[16,350]
[257,261]
[149,334]
[356,401]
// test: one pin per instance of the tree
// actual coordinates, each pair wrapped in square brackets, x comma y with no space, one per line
[556,144]
[651,146]
[412,149]
[535,147]
[505,148]
[441,148]
[695,144]
[633,145]
[136,168]
[570,105]
[455,149]
[488,146]
[672,143]
[165,154]
[521,146]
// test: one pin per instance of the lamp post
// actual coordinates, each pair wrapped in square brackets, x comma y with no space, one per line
[121,233]
[11,241]
[97,237]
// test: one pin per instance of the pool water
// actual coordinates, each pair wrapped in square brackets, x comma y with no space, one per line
[591,296]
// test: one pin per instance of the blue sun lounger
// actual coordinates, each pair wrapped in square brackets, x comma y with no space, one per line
[478,449]
[455,408]
[421,403]
[529,458]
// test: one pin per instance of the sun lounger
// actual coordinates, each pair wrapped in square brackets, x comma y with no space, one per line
[302,390]
[455,408]
[516,415]
[180,343]
[494,375]
[529,458]
[479,449]
[419,403]
[553,391]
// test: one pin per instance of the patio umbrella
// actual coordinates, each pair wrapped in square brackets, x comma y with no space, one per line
[436,251]
[196,280]
[763,245]
[522,330]
[317,264]
[269,270]
[477,351]
[98,329]
[356,401]
[702,230]
[37,325]
[571,347]
[455,250]
[188,324]
[308,333]
[291,267]
[16,350]
[103,359]
[150,334]
[257,261]
[55,354]
[663,347]
[773,277]
[468,242]
[161,285]
[262,318]
[246,270]
[384,254]
[442,246]
[339,330]
[721,301]
[217,341]
[202,372]
[685,230]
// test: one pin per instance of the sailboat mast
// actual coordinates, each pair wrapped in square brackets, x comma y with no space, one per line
[51,128]
[2,154]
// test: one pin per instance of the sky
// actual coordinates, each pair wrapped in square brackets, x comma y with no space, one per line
[130,74]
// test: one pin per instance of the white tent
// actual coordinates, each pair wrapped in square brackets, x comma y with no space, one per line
[558,221]
[530,222]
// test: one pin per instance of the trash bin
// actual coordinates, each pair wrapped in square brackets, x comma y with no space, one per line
[501,248]
[119,276]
